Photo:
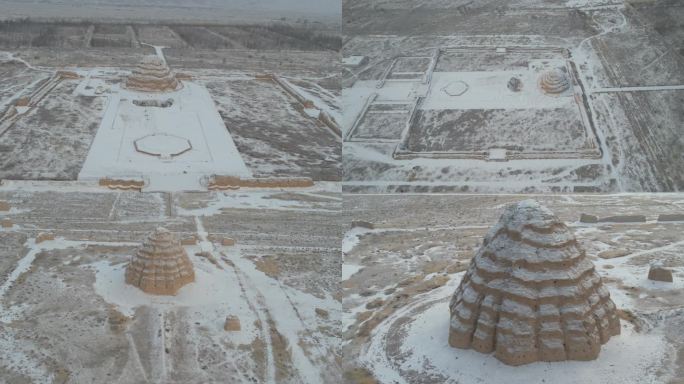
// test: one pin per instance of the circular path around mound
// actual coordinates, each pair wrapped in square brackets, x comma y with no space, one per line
[411,346]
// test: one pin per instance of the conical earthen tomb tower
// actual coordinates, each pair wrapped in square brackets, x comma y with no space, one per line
[554,81]
[530,293]
[160,266]
[152,75]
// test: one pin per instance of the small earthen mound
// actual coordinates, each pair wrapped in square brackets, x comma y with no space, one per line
[671,217]
[232,324]
[152,75]
[190,240]
[530,294]
[44,236]
[117,320]
[23,102]
[161,266]
[362,224]
[515,84]
[322,313]
[154,103]
[554,81]
[657,272]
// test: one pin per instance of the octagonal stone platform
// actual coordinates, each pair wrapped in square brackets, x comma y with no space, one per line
[456,88]
[163,145]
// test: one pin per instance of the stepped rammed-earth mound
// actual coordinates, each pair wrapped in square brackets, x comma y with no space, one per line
[554,81]
[530,293]
[161,266]
[152,75]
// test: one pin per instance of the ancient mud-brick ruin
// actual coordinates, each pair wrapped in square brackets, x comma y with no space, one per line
[530,293]
[161,266]
[658,272]
[514,84]
[554,81]
[152,75]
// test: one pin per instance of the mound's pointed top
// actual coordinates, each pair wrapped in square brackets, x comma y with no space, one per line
[161,230]
[152,60]
[530,220]
[528,210]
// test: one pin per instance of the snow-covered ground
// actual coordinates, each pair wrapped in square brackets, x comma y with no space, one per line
[464,111]
[487,90]
[274,138]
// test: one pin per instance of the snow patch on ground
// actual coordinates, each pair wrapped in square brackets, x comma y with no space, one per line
[487,90]
[111,284]
[348,270]
[351,238]
[627,358]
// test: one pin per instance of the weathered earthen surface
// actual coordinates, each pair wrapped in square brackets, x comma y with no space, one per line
[161,266]
[320,312]
[514,84]
[218,182]
[23,102]
[152,75]
[530,294]
[232,324]
[657,272]
[6,223]
[68,75]
[4,206]
[671,217]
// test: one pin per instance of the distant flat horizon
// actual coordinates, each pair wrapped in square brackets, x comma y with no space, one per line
[224,11]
